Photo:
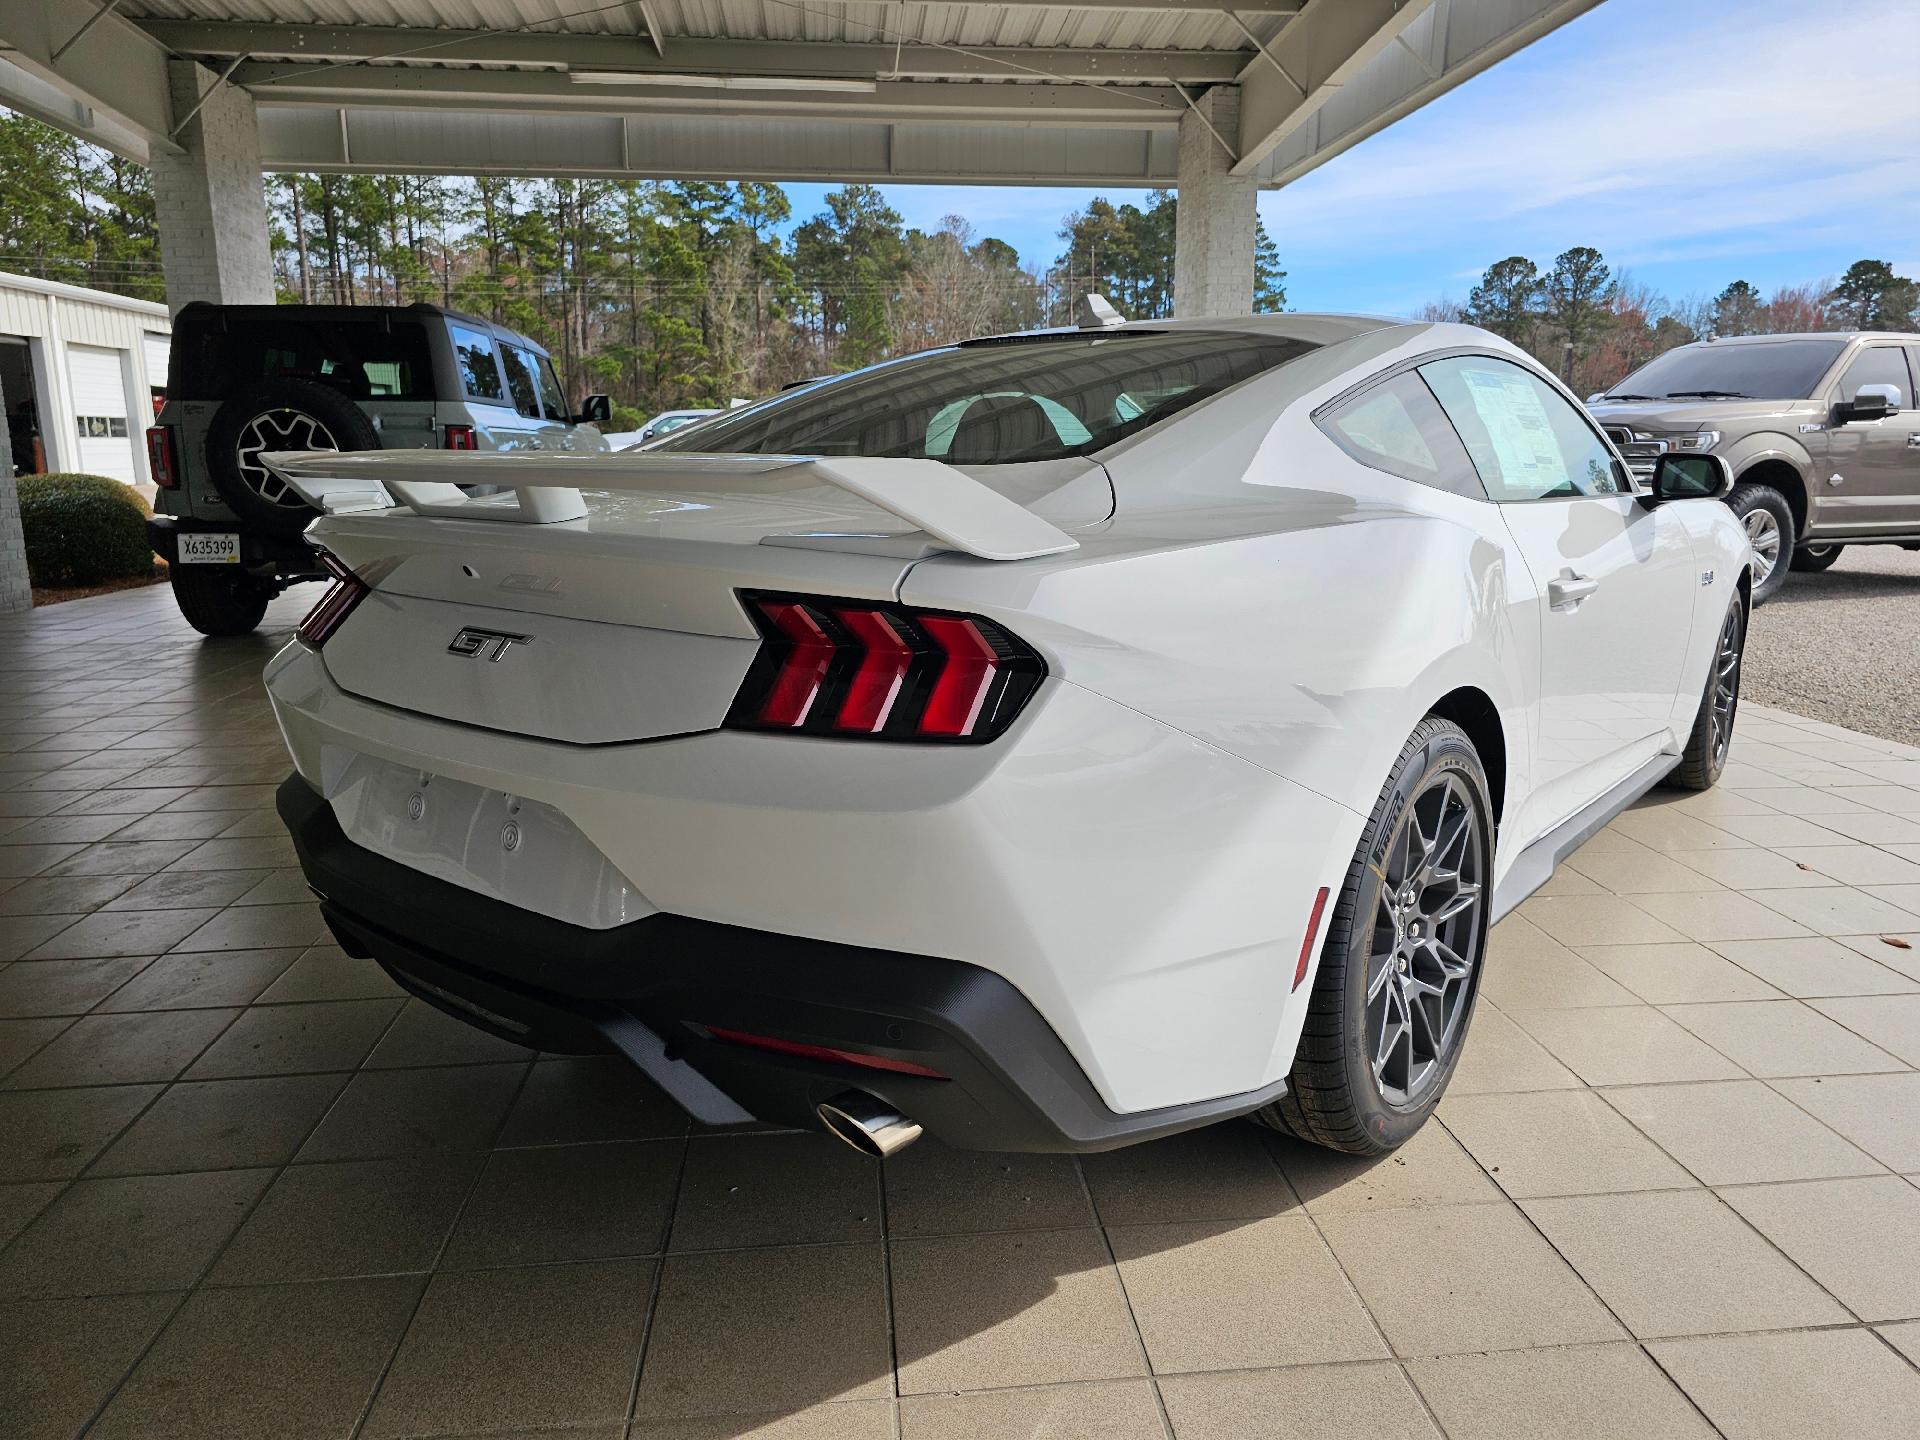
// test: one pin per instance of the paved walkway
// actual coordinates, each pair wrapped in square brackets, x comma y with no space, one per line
[248,1190]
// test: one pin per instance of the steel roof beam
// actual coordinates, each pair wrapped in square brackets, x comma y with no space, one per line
[799,58]
[418,88]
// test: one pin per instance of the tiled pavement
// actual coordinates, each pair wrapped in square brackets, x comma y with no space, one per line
[248,1190]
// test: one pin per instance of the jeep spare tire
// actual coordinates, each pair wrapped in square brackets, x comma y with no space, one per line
[273,415]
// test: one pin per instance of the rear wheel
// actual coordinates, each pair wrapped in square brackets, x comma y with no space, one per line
[1768,520]
[1399,971]
[220,602]
[1706,753]
[1809,558]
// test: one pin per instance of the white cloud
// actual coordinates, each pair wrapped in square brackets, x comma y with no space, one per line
[1651,130]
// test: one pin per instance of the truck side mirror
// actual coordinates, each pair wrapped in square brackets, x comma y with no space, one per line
[1870,402]
[595,410]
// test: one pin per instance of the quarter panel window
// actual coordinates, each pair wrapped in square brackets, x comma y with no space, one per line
[1397,426]
[479,368]
[1878,365]
[1527,441]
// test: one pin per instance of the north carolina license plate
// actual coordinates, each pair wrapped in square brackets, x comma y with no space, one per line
[200,548]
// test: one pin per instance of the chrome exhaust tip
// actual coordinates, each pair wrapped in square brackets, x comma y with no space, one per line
[868,1124]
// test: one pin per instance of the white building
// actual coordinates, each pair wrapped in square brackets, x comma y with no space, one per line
[82,373]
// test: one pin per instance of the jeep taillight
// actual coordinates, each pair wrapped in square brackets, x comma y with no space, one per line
[854,670]
[346,591]
[461,437]
[166,474]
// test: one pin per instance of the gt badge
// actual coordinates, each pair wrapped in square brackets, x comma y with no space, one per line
[1706,578]
[474,643]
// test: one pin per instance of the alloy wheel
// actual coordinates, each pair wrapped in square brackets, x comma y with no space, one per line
[1725,699]
[282,429]
[1426,941]
[1764,533]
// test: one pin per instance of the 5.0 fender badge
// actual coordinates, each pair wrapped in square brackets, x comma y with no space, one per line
[474,643]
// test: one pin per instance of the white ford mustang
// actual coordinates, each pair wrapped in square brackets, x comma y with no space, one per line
[1054,740]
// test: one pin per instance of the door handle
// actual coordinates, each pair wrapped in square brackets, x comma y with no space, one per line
[1569,590]
[1913,440]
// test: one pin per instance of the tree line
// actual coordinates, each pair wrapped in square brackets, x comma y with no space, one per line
[1592,326]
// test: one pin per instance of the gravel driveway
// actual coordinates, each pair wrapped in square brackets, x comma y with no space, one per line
[1844,646]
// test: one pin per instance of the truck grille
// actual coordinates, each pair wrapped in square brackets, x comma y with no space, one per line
[1640,451]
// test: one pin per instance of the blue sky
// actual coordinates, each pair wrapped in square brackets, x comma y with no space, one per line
[1693,142]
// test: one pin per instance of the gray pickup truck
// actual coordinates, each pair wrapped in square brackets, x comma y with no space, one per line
[1822,432]
[248,379]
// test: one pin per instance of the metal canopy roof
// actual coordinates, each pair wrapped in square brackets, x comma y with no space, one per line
[1022,91]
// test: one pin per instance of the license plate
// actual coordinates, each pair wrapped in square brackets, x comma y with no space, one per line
[201,548]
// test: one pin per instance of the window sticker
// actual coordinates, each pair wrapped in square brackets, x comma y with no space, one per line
[1519,431]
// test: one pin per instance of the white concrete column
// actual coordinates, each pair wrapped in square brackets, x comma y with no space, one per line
[1214,227]
[209,202]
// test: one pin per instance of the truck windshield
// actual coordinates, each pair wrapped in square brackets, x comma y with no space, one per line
[1002,401]
[1759,370]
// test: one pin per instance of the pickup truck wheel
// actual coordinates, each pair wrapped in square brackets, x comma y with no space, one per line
[279,414]
[1768,521]
[1810,558]
[1400,968]
[218,601]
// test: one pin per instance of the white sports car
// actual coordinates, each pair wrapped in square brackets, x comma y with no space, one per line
[1053,740]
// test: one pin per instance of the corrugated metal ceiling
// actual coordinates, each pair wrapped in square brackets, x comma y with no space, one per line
[1026,25]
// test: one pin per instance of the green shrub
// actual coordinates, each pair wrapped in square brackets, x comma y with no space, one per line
[83,529]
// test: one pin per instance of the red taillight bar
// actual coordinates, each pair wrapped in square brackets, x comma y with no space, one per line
[166,474]
[461,437]
[864,671]
[347,591]
[827,1053]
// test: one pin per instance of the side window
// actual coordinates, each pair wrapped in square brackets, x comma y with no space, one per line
[479,370]
[1527,441]
[1879,365]
[1398,427]
[551,394]
[520,382]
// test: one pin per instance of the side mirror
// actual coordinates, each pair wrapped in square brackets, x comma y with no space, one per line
[595,410]
[1870,402]
[1691,477]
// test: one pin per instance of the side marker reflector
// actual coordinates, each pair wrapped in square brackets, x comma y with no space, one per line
[1313,933]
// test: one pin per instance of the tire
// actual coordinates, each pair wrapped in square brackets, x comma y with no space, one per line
[1705,757]
[220,602]
[279,415]
[1810,559]
[1768,520]
[1338,1095]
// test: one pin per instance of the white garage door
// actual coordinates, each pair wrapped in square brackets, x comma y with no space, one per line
[156,350]
[100,411]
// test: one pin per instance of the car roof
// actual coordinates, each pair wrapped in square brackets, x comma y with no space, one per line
[337,314]
[1841,335]
[1323,327]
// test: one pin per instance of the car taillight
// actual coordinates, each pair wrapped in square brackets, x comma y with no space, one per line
[860,671]
[461,437]
[347,591]
[166,474]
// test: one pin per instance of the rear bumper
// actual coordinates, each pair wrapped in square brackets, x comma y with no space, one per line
[284,558]
[1011,1083]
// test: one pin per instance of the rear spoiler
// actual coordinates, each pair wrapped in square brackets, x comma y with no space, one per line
[947,503]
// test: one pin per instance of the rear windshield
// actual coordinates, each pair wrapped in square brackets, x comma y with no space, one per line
[1766,370]
[372,359]
[999,402]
